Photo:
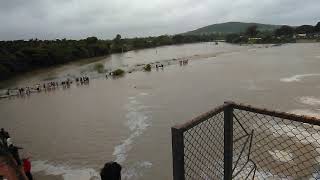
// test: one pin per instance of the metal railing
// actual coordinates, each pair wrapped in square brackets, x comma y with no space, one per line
[236,141]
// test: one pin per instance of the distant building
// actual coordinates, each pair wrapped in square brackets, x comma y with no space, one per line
[301,35]
[314,35]
[254,39]
[308,36]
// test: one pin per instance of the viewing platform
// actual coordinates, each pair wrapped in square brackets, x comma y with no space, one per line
[236,141]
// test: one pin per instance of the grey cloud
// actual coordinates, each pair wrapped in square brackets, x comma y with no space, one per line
[50,19]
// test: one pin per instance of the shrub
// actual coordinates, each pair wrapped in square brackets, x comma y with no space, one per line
[99,68]
[118,72]
[4,72]
[147,67]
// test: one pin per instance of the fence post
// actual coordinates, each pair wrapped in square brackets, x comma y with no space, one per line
[228,141]
[177,153]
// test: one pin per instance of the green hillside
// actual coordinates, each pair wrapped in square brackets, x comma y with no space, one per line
[231,27]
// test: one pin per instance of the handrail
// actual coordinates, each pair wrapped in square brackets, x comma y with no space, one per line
[201,118]
[278,114]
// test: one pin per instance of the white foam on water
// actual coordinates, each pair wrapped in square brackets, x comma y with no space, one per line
[310,100]
[267,175]
[143,94]
[298,77]
[137,122]
[121,151]
[282,156]
[134,101]
[301,133]
[306,112]
[135,170]
[67,172]
[315,176]
[260,175]
[252,85]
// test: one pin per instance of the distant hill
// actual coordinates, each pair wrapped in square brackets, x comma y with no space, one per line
[231,27]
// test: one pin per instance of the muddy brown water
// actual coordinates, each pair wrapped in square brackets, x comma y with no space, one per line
[72,132]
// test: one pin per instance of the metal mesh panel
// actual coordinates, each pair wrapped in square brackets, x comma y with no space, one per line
[203,149]
[267,147]
[264,145]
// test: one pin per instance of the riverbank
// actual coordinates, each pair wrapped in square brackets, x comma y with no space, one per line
[22,56]
[308,41]
[5,77]
[25,75]
[80,62]
[129,118]
[86,67]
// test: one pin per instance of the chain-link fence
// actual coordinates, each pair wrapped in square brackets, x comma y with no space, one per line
[242,142]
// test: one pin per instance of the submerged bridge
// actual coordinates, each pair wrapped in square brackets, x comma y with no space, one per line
[236,141]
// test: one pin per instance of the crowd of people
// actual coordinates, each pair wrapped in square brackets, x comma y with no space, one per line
[10,161]
[47,86]
[12,167]
[183,62]
[53,85]
[159,66]
[84,79]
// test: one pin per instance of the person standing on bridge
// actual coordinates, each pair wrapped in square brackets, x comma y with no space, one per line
[4,135]
[14,150]
[27,167]
[8,167]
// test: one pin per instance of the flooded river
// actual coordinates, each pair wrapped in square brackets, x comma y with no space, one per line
[72,132]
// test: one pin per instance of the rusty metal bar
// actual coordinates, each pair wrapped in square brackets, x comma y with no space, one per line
[177,154]
[178,146]
[228,141]
[201,118]
[278,114]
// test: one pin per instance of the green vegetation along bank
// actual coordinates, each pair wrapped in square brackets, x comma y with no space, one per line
[20,56]
[231,27]
[283,34]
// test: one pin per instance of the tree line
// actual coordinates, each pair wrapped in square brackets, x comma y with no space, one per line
[283,34]
[21,56]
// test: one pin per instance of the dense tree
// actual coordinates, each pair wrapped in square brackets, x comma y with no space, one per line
[304,29]
[117,45]
[118,37]
[252,31]
[284,31]
[164,40]
[139,43]
[19,56]
[233,38]
[317,27]
[91,40]
[178,39]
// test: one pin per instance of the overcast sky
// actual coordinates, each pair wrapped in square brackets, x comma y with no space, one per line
[76,19]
